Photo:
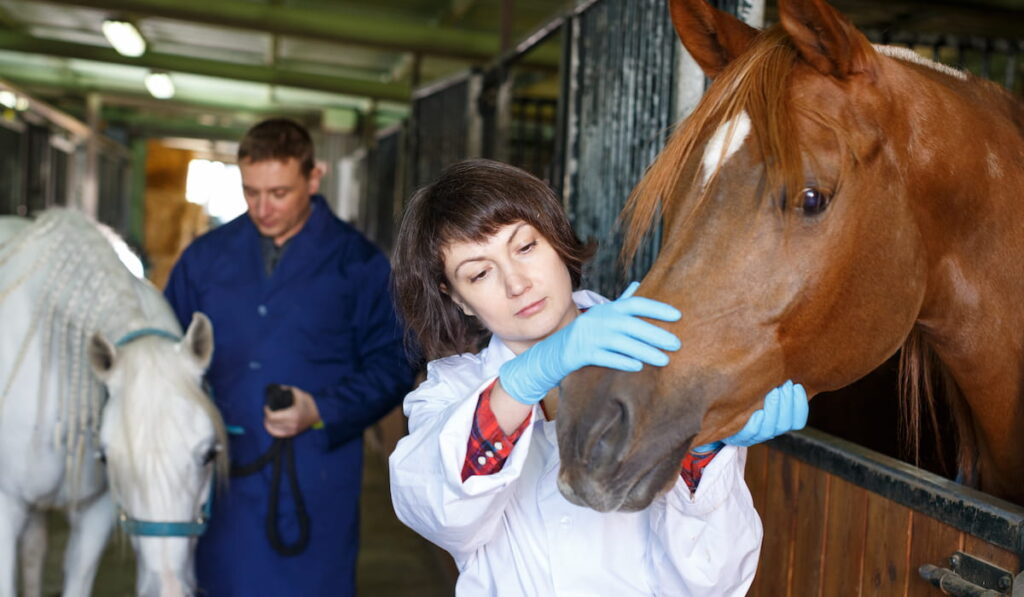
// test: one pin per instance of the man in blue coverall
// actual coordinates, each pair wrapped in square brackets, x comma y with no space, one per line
[299,298]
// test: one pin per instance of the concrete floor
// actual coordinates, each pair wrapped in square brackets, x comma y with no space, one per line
[393,561]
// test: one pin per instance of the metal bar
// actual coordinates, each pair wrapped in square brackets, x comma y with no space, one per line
[951,584]
[212,68]
[336,26]
[994,520]
[73,126]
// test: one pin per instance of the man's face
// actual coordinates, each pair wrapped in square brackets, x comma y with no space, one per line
[277,194]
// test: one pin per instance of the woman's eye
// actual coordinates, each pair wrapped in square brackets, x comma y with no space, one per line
[479,276]
[528,247]
[812,201]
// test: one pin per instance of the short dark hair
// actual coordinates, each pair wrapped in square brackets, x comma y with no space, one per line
[469,201]
[278,139]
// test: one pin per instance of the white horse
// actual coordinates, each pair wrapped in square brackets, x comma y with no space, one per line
[94,369]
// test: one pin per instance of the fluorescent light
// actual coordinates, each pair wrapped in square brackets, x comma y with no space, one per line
[22,104]
[160,85]
[124,37]
[8,99]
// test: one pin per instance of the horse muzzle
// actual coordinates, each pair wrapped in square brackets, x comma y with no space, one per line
[616,452]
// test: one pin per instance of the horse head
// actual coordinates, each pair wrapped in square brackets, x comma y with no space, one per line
[162,440]
[807,203]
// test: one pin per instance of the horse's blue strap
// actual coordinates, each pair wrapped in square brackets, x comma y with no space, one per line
[146,528]
[149,528]
[135,334]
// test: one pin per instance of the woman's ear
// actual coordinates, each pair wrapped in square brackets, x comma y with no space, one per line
[457,300]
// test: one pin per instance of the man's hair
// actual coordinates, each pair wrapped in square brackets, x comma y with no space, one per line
[278,139]
[469,202]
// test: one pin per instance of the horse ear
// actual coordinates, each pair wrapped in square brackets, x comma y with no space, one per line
[714,38]
[198,340]
[102,356]
[825,38]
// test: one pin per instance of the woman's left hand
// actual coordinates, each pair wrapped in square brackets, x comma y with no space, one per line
[785,409]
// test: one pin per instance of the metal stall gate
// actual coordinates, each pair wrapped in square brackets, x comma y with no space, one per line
[12,167]
[619,108]
[35,164]
[383,187]
[444,127]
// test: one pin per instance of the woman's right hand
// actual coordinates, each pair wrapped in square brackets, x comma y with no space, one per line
[608,335]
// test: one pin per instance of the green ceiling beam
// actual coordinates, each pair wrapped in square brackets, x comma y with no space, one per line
[57,90]
[51,84]
[153,126]
[335,26]
[201,66]
[9,22]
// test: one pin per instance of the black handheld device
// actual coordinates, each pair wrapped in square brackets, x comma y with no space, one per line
[278,397]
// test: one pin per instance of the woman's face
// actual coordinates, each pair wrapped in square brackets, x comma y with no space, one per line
[514,282]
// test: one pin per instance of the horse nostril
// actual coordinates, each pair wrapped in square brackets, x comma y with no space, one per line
[609,435]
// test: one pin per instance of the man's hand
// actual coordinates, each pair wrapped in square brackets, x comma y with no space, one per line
[293,420]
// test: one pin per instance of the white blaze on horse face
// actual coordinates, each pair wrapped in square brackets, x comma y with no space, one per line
[726,141]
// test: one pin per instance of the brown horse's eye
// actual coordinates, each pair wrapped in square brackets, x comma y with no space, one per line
[812,201]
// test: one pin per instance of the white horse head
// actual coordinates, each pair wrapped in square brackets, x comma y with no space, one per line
[163,442]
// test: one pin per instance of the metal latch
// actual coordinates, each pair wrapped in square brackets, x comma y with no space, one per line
[969,576]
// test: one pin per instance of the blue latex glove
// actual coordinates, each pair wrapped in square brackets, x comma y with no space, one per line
[608,335]
[785,409]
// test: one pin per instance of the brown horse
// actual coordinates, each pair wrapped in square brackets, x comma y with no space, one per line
[827,203]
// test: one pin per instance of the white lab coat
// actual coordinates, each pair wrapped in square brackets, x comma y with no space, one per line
[512,533]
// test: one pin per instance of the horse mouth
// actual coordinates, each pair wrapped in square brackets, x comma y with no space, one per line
[620,492]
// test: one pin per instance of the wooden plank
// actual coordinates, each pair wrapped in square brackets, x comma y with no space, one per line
[844,538]
[811,514]
[885,572]
[932,542]
[755,474]
[779,525]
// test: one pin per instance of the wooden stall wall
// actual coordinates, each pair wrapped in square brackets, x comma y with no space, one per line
[829,537]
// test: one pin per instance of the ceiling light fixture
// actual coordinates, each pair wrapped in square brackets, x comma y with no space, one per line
[124,37]
[8,99]
[160,85]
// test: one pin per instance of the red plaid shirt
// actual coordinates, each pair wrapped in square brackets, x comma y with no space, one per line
[489,446]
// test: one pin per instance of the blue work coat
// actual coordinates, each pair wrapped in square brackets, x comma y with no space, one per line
[323,321]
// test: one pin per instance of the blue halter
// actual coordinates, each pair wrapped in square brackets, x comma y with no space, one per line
[149,528]
[139,333]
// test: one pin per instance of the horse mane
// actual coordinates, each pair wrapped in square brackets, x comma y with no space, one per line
[919,371]
[757,83]
[84,289]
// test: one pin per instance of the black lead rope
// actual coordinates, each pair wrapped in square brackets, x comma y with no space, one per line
[279,397]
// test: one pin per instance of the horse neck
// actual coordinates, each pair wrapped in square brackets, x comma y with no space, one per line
[962,166]
[964,181]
